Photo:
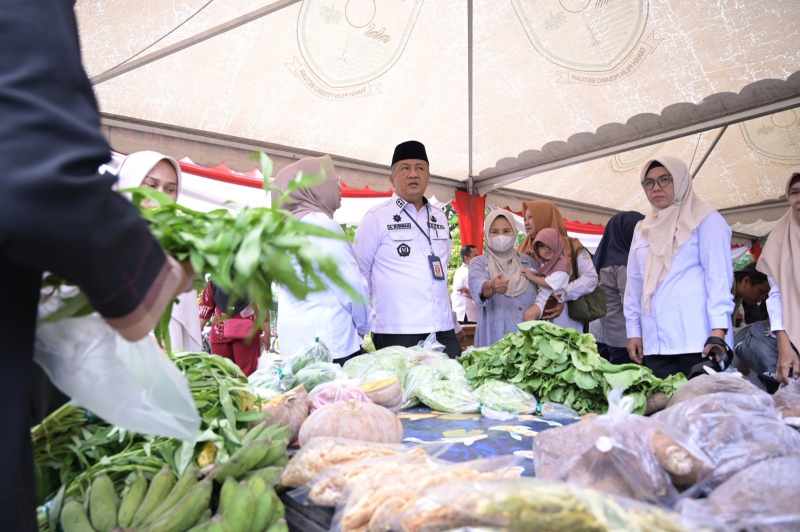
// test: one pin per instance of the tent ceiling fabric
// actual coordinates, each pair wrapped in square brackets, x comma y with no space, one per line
[553,82]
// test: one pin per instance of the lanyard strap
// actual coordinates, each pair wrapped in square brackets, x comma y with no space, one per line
[426,235]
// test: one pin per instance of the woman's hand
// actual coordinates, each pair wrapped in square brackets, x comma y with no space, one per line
[787,359]
[636,350]
[718,333]
[554,312]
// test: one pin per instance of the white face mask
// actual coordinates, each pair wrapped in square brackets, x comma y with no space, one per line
[501,244]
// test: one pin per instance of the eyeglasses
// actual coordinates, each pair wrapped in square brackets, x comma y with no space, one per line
[663,181]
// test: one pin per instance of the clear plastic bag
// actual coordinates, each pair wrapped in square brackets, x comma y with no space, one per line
[318,373]
[271,378]
[503,396]
[761,497]
[427,350]
[451,370]
[385,367]
[787,401]
[622,454]
[733,382]
[416,377]
[374,504]
[129,384]
[336,391]
[315,351]
[448,396]
[532,504]
[550,410]
[355,366]
[734,430]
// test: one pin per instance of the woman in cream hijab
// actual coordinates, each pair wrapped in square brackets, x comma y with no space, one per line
[501,292]
[332,316]
[154,170]
[680,274]
[781,262]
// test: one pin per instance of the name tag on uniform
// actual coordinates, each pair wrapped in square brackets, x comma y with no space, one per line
[436,267]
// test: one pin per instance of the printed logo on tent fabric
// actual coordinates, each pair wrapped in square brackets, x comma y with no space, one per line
[776,137]
[347,44]
[403,250]
[630,161]
[597,41]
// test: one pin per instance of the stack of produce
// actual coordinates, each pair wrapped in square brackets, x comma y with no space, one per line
[72,447]
[562,366]
[242,487]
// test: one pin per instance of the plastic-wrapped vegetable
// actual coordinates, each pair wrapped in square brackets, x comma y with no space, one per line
[308,354]
[427,350]
[317,373]
[734,430]
[531,504]
[787,401]
[622,454]
[732,382]
[336,391]
[384,367]
[356,365]
[451,370]
[271,378]
[415,377]
[761,497]
[448,396]
[506,397]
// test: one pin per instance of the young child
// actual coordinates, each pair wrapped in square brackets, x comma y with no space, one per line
[553,278]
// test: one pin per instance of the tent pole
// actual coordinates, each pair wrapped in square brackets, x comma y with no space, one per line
[191,41]
[710,149]
[469,86]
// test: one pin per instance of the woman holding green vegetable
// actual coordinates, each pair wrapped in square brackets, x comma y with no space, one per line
[153,170]
[500,290]
[331,315]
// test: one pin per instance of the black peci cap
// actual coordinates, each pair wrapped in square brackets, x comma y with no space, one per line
[410,149]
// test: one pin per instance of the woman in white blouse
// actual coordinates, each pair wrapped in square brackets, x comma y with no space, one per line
[332,316]
[541,215]
[680,274]
[781,262]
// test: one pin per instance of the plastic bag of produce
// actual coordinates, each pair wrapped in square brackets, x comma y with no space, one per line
[129,384]
[272,378]
[528,504]
[373,504]
[416,377]
[761,497]
[734,430]
[733,382]
[427,350]
[448,396]
[335,391]
[315,351]
[320,453]
[505,397]
[787,401]
[384,367]
[356,365]
[451,370]
[622,454]
[317,373]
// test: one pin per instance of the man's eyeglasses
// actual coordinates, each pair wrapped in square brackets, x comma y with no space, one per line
[663,181]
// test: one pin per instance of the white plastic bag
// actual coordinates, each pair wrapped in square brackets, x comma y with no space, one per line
[129,384]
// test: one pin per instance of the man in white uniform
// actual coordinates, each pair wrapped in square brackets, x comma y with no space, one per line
[463,305]
[402,248]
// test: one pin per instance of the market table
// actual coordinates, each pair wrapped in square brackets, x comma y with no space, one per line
[472,435]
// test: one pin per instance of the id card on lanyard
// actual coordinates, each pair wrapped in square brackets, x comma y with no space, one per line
[435,263]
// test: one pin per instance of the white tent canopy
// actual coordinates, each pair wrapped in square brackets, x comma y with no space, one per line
[562,99]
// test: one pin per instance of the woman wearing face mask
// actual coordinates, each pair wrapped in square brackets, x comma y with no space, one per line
[154,170]
[496,281]
[331,315]
[780,260]
[678,299]
[541,215]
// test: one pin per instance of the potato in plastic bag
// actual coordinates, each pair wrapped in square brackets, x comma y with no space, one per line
[732,382]
[787,401]
[761,497]
[622,454]
[448,396]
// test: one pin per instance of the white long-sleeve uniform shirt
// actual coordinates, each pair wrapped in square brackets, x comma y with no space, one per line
[330,315]
[774,306]
[392,253]
[463,305]
[693,299]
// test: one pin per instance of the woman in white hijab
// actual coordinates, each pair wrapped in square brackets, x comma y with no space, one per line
[501,292]
[154,170]
[781,262]
[680,274]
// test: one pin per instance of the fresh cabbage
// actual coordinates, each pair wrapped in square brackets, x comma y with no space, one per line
[385,367]
[503,396]
[356,365]
[448,396]
[451,370]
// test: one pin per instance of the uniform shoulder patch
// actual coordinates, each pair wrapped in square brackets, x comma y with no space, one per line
[586,255]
